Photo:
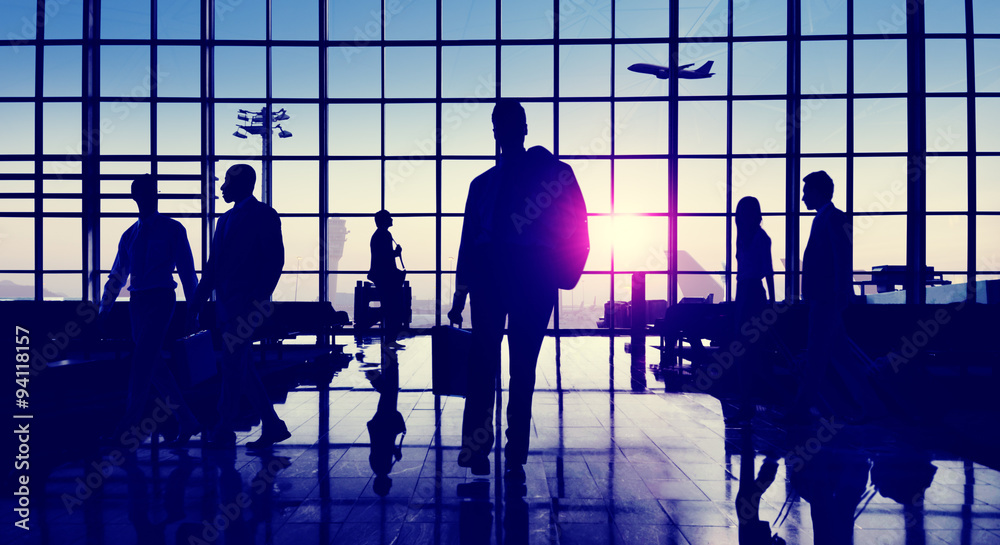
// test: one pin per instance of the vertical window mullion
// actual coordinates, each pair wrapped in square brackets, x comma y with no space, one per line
[556,96]
[324,159]
[793,147]
[266,192]
[916,157]
[207,84]
[672,146]
[382,107]
[611,188]
[728,281]
[849,109]
[153,90]
[91,145]
[970,100]
[39,166]
[438,164]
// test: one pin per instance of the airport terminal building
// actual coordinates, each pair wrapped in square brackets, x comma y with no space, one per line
[844,395]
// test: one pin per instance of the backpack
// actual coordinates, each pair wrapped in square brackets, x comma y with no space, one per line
[568,232]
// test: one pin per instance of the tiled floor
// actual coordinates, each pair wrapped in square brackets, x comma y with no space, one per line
[606,466]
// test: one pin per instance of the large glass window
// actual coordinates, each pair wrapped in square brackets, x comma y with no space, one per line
[396,118]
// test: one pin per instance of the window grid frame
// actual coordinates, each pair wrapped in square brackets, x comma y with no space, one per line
[91,157]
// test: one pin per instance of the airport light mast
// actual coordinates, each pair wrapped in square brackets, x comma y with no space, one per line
[262,124]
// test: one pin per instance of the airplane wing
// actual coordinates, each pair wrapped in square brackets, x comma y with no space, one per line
[683,66]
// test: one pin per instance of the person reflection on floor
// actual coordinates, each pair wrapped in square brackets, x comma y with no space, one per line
[833,481]
[475,515]
[386,424]
[140,513]
[904,477]
[146,531]
[515,518]
[237,510]
[752,530]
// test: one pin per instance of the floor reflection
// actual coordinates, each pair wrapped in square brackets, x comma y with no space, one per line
[386,424]
[605,467]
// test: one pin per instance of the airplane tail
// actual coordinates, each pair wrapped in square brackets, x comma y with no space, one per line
[697,285]
[706,68]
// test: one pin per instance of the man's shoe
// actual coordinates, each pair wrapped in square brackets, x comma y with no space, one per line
[271,434]
[480,465]
[514,474]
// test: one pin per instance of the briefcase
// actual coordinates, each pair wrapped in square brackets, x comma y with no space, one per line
[195,357]
[450,347]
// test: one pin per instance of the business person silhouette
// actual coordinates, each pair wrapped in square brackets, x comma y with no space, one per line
[524,236]
[148,252]
[388,278]
[753,257]
[243,269]
[827,274]
[754,269]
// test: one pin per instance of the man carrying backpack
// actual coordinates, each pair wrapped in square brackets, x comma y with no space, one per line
[524,236]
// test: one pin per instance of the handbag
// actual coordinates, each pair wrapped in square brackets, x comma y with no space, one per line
[450,349]
[195,358]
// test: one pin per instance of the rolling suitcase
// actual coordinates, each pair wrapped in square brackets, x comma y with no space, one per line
[450,348]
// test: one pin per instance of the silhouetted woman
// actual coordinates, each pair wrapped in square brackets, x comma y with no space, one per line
[753,256]
[754,268]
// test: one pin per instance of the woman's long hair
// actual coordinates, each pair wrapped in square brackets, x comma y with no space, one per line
[748,218]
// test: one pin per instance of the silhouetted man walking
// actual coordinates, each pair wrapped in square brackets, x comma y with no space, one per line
[827,286]
[524,236]
[243,268]
[148,252]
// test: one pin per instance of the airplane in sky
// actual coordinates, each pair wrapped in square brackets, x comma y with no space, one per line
[663,72]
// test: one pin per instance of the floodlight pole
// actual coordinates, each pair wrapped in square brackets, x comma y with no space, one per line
[266,126]
[265,182]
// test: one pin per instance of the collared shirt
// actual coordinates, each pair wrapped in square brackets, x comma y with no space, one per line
[819,213]
[148,252]
[826,263]
[236,210]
